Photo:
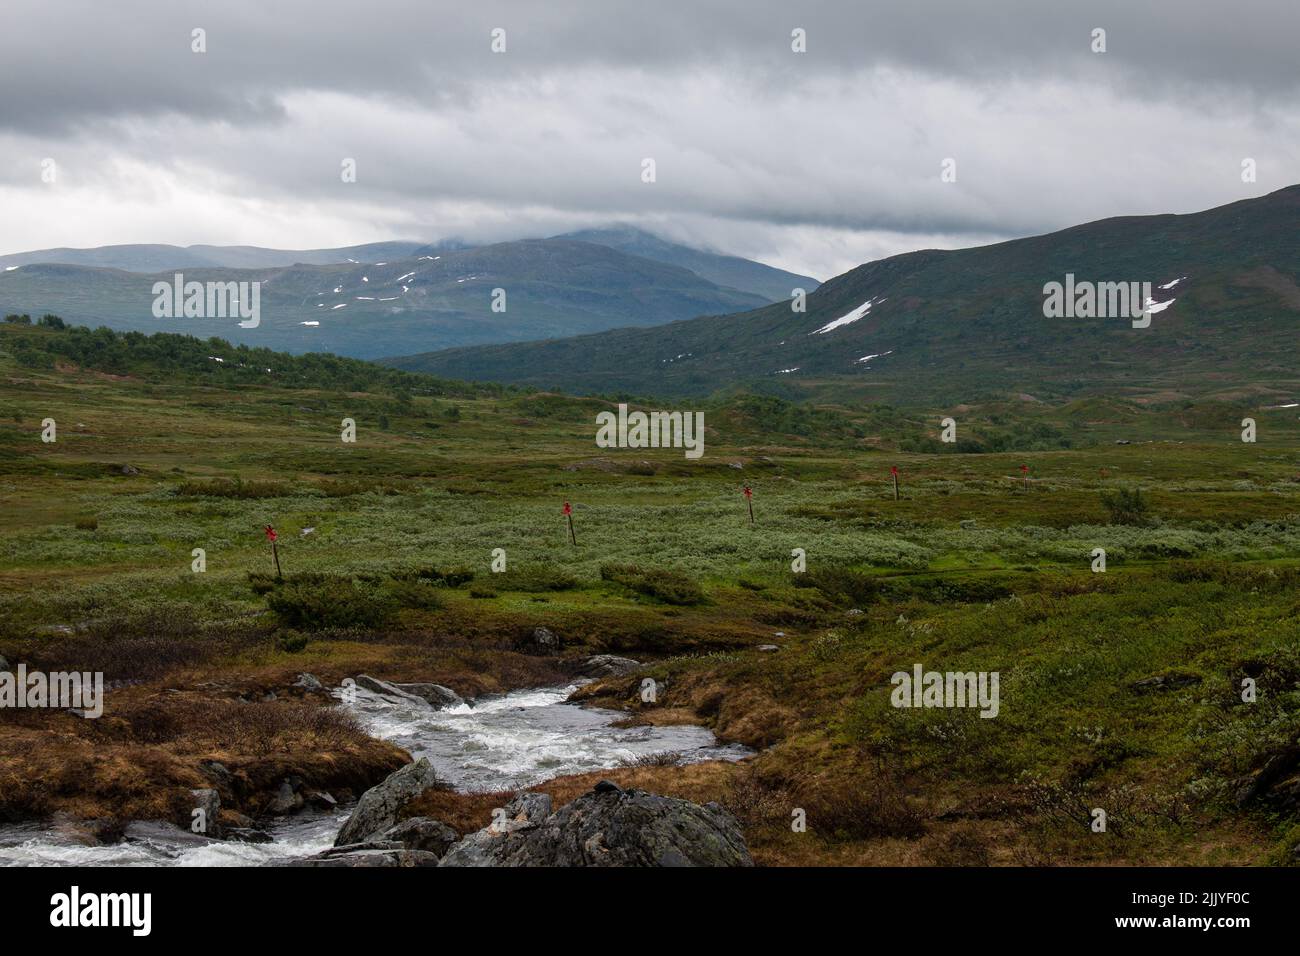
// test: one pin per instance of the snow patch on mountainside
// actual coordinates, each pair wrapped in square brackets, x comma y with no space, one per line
[868,358]
[848,318]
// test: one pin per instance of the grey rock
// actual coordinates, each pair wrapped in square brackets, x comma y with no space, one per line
[96,832]
[768,648]
[364,856]
[614,827]
[129,470]
[433,694]
[378,807]
[423,833]
[525,811]
[209,801]
[163,834]
[308,683]
[359,847]
[322,800]
[287,800]
[247,835]
[527,807]
[387,689]
[541,640]
[608,665]
[475,850]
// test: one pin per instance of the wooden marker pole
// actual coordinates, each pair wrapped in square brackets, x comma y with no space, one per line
[893,471]
[275,553]
[749,501]
[568,513]
[1025,471]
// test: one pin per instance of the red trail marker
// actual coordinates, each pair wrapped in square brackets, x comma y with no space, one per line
[893,471]
[275,553]
[749,501]
[1025,471]
[568,514]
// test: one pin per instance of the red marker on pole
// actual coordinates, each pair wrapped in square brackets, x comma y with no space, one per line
[893,471]
[1025,471]
[568,513]
[275,553]
[749,501]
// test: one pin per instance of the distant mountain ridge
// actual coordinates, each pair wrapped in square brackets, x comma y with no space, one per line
[426,297]
[159,258]
[730,271]
[969,324]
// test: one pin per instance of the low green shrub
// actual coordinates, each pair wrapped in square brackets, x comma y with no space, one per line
[413,594]
[329,601]
[841,585]
[1125,506]
[450,578]
[671,587]
[224,488]
[291,642]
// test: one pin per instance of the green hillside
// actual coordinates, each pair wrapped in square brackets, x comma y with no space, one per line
[967,325]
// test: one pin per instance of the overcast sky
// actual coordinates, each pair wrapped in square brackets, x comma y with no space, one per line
[813,161]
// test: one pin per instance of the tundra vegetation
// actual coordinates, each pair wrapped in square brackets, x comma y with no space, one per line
[1120,690]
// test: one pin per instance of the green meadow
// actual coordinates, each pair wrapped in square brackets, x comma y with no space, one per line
[1121,690]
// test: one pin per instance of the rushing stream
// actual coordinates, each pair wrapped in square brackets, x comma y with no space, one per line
[501,743]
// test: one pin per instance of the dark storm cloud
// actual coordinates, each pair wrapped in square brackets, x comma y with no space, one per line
[845,139]
[75,59]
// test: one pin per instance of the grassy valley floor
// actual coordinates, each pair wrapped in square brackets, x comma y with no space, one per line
[1120,691]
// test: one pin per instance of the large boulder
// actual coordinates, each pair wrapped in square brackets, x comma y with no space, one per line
[611,827]
[540,640]
[525,811]
[378,807]
[433,694]
[287,798]
[608,665]
[378,854]
[161,833]
[422,833]
[208,802]
[387,689]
